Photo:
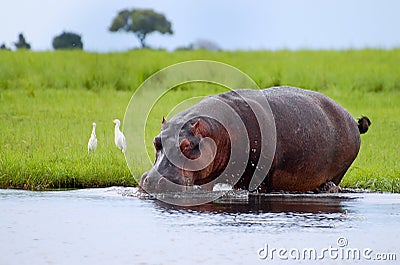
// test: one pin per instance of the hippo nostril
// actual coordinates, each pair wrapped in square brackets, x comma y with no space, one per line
[161,182]
[146,180]
[162,185]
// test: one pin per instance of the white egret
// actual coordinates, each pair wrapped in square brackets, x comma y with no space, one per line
[92,144]
[119,137]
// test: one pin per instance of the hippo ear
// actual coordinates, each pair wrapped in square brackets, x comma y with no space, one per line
[164,121]
[198,128]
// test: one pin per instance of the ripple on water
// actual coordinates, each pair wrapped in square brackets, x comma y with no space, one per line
[273,212]
[112,225]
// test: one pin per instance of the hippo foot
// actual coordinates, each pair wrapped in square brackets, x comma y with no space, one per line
[328,187]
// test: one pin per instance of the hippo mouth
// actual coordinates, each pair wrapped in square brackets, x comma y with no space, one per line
[166,183]
[180,181]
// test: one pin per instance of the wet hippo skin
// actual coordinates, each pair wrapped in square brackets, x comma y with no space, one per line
[316,142]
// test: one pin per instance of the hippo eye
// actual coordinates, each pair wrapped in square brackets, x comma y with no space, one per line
[157,143]
[185,145]
[196,146]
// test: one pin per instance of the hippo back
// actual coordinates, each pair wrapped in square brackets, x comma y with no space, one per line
[317,140]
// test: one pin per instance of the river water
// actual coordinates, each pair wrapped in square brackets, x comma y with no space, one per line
[114,226]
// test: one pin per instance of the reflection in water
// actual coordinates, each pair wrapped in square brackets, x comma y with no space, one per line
[277,211]
[113,226]
[266,203]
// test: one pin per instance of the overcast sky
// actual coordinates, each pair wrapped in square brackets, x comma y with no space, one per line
[250,24]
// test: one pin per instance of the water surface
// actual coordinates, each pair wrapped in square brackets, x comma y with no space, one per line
[113,226]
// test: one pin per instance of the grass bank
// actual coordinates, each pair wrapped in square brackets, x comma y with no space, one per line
[48,101]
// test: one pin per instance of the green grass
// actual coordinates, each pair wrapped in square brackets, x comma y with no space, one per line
[48,101]
[44,139]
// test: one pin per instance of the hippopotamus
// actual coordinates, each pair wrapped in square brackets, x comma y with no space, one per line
[314,141]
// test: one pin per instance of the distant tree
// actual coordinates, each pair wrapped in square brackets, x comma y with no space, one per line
[206,45]
[67,40]
[141,22]
[21,43]
[185,48]
[4,47]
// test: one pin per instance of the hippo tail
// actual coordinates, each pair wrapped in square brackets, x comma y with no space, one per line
[363,124]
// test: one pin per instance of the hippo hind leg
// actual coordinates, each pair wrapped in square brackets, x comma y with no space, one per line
[336,180]
[331,186]
[328,187]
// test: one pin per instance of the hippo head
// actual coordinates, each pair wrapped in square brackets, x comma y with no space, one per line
[186,152]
